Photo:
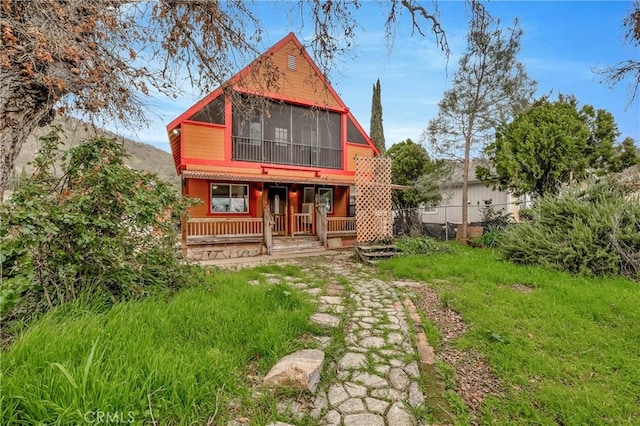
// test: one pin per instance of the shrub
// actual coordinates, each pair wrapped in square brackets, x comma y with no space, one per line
[492,237]
[419,245]
[592,229]
[96,228]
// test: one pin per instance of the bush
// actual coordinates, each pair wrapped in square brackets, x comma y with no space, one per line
[592,229]
[98,228]
[492,237]
[420,245]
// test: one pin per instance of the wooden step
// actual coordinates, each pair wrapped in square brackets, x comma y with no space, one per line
[370,248]
[370,253]
[298,244]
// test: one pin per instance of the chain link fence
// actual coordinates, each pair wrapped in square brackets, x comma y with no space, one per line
[442,222]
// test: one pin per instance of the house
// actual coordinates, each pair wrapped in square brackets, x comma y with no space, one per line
[479,196]
[271,155]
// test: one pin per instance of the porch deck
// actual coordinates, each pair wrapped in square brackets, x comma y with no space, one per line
[213,231]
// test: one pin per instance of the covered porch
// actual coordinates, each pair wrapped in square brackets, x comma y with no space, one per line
[246,222]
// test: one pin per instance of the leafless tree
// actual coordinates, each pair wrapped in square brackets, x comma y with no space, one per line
[102,58]
[631,67]
[489,86]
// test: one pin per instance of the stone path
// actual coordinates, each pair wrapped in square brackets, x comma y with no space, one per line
[375,380]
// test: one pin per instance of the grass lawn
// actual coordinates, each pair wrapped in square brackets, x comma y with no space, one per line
[566,348]
[179,359]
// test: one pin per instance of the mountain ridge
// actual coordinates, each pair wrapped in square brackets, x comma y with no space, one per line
[140,156]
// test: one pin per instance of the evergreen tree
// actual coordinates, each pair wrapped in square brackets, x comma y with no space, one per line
[376,132]
[553,144]
[628,154]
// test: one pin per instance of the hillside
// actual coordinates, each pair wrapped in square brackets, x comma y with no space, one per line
[141,156]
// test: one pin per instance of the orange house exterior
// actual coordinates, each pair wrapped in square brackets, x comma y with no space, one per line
[271,156]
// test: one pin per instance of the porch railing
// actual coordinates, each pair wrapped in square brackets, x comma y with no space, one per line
[302,223]
[212,230]
[279,224]
[267,151]
[341,225]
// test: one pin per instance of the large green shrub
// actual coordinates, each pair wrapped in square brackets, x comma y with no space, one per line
[591,228]
[95,227]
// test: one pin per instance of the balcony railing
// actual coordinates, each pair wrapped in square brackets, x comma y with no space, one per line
[265,151]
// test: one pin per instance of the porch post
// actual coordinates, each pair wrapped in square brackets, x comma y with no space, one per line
[267,229]
[183,233]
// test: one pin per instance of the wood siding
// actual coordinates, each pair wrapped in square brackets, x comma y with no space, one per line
[353,151]
[203,142]
[302,84]
[477,194]
[198,188]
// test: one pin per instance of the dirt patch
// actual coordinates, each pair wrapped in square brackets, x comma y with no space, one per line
[522,288]
[474,378]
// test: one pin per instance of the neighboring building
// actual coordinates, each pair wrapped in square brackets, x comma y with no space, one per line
[261,170]
[450,208]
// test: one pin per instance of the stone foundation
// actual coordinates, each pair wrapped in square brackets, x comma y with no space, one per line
[225,251]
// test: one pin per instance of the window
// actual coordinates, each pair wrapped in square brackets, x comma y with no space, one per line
[429,209]
[282,135]
[353,134]
[325,197]
[352,201]
[308,196]
[211,113]
[226,198]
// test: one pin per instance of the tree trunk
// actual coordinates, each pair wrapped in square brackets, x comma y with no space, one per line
[23,108]
[463,229]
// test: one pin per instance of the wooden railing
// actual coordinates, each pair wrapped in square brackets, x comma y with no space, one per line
[341,225]
[228,229]
[278,152]
[279,224]
[267,227]
[302,224]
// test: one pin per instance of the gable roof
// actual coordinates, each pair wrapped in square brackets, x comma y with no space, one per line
[290,46]
[237,80]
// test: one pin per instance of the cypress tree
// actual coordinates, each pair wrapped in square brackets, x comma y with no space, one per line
[376,132]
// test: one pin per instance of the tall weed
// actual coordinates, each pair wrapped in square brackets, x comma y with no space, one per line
[180,358]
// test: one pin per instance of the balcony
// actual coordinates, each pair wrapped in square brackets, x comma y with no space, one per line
[266,151]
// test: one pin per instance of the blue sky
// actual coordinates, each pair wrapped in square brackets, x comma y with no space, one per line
[563,43]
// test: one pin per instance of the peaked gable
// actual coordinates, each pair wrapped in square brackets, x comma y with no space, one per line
[287,72]
[270,76]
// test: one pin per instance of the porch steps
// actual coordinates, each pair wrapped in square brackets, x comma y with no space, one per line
[373,253]
[301,244]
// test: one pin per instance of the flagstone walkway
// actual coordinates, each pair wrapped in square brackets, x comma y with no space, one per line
[375,380]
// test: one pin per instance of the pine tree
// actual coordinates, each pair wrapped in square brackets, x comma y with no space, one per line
[376,132]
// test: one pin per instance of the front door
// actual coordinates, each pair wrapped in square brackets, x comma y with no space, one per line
[278,207]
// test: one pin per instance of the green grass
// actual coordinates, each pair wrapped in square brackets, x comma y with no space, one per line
[180,358]
[566,350]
